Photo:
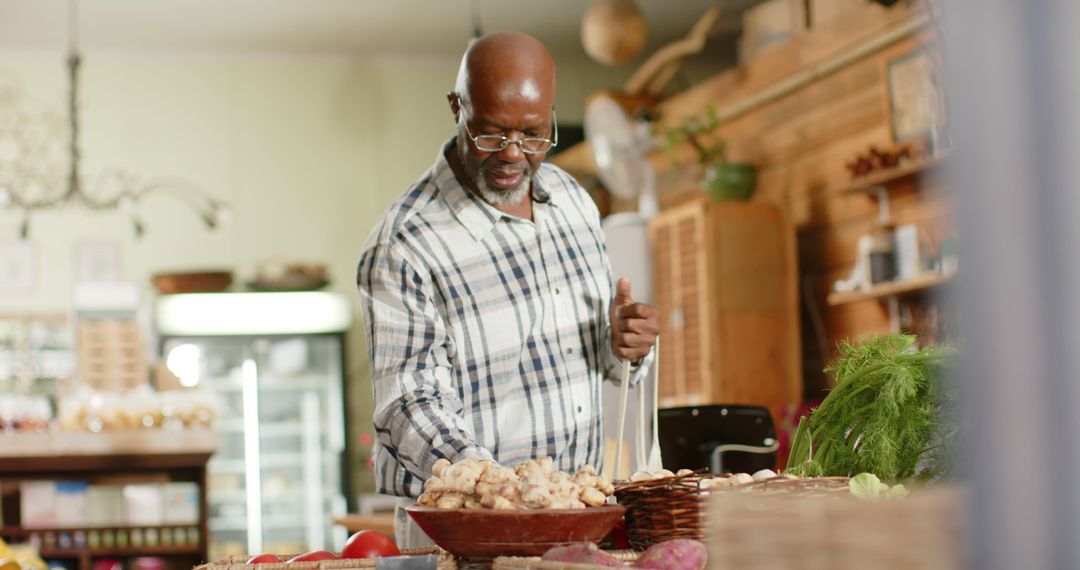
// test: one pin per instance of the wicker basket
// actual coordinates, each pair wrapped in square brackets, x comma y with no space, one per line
[674,507]
[535,563]
[924,530]
[443,561]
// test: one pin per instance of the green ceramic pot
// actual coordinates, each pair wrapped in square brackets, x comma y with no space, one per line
[727,181]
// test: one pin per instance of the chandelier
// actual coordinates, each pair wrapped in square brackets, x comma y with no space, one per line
[32,144]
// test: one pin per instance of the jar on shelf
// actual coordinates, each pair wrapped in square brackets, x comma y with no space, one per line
[882,254]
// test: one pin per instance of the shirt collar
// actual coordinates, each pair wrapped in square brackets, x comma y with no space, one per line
[471,211]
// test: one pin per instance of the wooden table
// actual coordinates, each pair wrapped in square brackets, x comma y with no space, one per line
[383,523]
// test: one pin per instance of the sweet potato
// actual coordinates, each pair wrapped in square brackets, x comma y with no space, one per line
[678,554]
[581,553]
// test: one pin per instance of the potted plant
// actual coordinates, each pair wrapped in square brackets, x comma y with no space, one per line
[721,180]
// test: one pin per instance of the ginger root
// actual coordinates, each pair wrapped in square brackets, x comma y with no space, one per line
[532,484]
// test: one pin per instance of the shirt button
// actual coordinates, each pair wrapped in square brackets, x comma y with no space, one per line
[579,409]
[569,351]
[556,290]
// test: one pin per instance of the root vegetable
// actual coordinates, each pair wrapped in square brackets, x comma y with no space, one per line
[546,463]
[592,497]
[740,479]
[530,484]
[497,502]
[450,501]
[605,486]
[582,553]
[764,474]
[435,485]
[678,554]
[440,466]
[536,497]
[716,483]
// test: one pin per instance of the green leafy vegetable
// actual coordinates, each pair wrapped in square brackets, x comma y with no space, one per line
[868,486]
[889,413]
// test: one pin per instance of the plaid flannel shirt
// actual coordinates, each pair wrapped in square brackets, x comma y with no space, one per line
[488,334]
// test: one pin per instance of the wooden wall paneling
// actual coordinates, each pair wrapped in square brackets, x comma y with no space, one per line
[801,142]
[795,55]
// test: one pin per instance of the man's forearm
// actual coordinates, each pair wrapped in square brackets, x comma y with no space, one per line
[418,431]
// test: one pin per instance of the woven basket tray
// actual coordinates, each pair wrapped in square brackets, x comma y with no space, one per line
[443,560]
[673,507]
[535,563]
[924,530]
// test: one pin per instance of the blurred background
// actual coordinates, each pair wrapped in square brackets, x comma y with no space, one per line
[185,188]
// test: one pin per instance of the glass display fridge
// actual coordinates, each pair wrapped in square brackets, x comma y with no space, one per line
[275,362]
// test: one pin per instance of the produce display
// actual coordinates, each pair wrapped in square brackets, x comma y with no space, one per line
[363,544]
[20,557]
[314,556]
[369,544]
[85,409]
[709,481]
[533,484]
[678,554]
[889,414]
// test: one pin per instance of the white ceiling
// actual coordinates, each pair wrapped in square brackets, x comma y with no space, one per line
[354,28]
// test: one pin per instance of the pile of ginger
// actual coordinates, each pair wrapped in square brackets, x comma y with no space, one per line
[533,484]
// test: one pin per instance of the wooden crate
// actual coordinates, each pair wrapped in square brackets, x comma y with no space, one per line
[725,284]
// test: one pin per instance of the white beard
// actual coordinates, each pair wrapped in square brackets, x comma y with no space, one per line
[500,197]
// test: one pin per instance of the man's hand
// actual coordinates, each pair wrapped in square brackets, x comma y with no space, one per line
[634,326]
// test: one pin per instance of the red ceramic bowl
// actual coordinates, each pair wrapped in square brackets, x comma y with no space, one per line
[484,533]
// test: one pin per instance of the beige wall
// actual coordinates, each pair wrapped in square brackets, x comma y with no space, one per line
[308,152]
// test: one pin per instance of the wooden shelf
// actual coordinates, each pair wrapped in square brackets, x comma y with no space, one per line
[895,288]
[75,451]
[26,531]
[122,551]
[885,177]
[128,457]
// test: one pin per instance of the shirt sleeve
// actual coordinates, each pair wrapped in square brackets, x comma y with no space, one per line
[418,413]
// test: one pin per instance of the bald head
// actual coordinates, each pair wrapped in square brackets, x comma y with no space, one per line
[506,67]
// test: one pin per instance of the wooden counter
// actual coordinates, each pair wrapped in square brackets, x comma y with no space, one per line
[354,523]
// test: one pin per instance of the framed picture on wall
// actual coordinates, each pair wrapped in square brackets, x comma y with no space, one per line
[97,261]
[915,96]
[17,267]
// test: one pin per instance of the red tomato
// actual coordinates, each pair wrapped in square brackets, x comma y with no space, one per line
[369,544]
[264,559]
[314,556]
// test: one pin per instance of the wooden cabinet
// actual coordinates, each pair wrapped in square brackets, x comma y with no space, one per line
[143,459]
[725,282]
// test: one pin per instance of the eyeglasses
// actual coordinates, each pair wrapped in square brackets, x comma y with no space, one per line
[528,145]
